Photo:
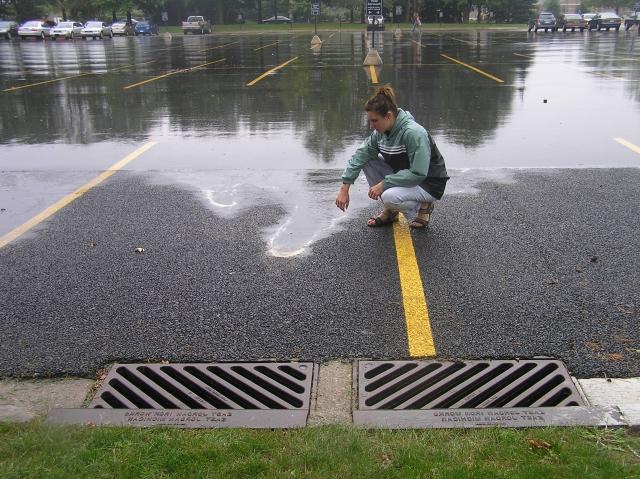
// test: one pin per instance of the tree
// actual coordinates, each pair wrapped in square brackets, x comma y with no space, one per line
[552,6]
[511,10]
[24,9]
[610,4]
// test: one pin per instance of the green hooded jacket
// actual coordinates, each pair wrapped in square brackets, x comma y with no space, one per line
[409,150]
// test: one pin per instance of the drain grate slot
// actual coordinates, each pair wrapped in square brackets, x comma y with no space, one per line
[420,385]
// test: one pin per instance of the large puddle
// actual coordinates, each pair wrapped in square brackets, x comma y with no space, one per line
[284,141]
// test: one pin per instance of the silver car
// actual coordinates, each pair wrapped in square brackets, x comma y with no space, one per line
[122,28]
[68,29]
[34,28]
[96,30]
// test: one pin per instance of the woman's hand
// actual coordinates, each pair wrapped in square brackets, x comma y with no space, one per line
[376,190]
[342,200]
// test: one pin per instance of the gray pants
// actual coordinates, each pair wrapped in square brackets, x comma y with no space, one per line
[406,199]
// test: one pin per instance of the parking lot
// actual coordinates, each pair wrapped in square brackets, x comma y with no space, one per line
[185,188]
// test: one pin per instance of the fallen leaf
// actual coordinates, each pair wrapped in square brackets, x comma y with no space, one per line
[386,460]
[539,444]
[622,339]
[615,357]
[593,345]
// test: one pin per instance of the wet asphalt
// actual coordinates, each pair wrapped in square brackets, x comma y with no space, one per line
[519,261]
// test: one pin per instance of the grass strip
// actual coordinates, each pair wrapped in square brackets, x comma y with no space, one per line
[35,450]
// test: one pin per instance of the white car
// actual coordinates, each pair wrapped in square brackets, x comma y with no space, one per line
[96,30]
[34,28]
[69,29]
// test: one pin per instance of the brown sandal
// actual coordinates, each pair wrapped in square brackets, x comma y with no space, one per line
[423,217]
[383,219]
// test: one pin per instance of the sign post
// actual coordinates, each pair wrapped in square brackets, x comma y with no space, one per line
[374,11]
[374,15]
[315,11]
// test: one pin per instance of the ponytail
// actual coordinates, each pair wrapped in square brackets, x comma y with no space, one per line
[383,101]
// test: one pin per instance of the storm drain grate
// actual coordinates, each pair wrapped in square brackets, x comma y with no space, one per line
[204,395]
[431,393]
[468,384]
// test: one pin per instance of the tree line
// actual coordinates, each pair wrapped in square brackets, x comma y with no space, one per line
[231,11]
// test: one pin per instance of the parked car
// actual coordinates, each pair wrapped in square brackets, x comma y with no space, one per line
[122,28]
[96,30]
[571,21]
[280,19]
[8,29]
[605,20]
[588,16]
[631,20]
[196,24]
[145,27]
[544,20]
[34,28]
[68,29]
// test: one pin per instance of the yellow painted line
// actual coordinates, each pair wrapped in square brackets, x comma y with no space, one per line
[61,203]
[72,76]
[47,81]
[129,66]
[615,57]
[523,55]
[465,41]
[331,35]
[374,74]
[477,70]
[168,74]
[606,75]
[416,312]
[418,43]
[220,46]
[270,45]
[628,144]
[269,72]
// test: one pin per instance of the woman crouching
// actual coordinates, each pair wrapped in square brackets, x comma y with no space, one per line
[401,162]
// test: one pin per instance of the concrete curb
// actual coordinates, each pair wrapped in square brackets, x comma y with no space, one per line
[332,400]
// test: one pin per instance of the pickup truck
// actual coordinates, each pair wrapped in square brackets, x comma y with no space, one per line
[196,24]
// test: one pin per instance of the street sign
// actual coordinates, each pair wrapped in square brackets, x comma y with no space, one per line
[374,7]
[398,10]
[165,17]
[315,9]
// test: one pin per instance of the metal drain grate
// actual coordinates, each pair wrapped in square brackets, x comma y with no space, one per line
[203,395]
[469,384]
[470,394]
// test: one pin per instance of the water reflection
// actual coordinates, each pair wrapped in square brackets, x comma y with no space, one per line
[320,96]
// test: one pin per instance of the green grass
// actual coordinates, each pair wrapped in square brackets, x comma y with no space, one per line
[37,451]
[302,27]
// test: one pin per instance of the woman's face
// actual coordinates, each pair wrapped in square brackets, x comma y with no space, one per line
[381,123]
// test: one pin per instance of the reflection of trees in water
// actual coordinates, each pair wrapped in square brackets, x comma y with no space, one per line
[323,106]
[452,101]
[619,52]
